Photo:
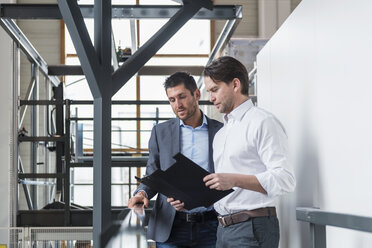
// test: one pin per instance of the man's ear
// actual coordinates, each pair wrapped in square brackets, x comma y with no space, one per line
[236,84]
[197,94]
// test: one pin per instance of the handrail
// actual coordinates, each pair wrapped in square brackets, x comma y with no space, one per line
[319,219]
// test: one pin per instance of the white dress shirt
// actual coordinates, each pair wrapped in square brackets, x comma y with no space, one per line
[252,142]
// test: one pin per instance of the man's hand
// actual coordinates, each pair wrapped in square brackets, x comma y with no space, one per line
[177,204]
[220,181]
[137,200]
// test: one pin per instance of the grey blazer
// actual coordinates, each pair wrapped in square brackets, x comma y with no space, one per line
[163,144]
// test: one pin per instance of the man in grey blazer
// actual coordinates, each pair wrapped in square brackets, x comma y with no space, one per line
[191,133]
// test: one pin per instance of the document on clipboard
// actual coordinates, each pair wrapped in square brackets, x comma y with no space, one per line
[184,181]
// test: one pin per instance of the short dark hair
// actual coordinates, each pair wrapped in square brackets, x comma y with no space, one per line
[225,69]
[181,78]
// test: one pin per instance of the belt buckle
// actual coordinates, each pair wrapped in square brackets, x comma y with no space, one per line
[222,221]
[191,217]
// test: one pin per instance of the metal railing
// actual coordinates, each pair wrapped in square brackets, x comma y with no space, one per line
[40,237]
[319,219]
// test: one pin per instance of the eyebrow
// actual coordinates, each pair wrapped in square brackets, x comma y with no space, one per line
[179,95]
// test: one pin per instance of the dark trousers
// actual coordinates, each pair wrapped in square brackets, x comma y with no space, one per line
[262,232]
[186,234]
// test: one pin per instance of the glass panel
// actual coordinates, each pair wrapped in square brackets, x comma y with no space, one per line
[158,2]
[127,92]
[119,175]
[152,88]
[119,195]
[196,61]
[122,34]
[83,195]
[77,87]
[69,47]
[83,175]
[192,38]
[113,2]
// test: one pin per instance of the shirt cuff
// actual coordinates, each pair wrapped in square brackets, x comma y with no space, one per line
[267,182]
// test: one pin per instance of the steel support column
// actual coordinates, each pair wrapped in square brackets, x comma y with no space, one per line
[102,122]
[318,236]
[102,167]
[14,142]
[34,157]
[58,95]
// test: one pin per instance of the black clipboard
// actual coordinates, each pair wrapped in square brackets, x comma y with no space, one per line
[184,181]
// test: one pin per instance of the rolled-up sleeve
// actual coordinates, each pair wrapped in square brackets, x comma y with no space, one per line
[272,148]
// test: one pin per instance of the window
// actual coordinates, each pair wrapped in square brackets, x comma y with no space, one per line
[190,46]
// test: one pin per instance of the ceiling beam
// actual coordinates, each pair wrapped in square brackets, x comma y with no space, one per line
[51,11]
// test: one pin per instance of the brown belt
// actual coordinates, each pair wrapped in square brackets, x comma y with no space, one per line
[230,219]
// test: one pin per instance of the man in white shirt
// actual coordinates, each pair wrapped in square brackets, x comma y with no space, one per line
[250,154]
[190,133]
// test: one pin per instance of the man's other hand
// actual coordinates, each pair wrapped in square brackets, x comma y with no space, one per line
[138,200]
[177,204]
[219,181]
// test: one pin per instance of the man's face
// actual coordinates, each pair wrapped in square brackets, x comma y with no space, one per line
[184,104]
[221,95]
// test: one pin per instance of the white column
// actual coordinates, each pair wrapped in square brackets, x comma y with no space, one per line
[7,207]
[271,14]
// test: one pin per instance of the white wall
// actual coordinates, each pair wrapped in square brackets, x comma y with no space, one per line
[6,141]
[315,75]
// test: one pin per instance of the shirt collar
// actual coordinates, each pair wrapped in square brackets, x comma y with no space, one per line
[238,112]
[205,123]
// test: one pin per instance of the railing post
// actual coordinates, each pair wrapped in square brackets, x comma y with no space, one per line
[318,236]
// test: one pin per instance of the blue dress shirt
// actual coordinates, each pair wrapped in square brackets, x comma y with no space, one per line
[194,144]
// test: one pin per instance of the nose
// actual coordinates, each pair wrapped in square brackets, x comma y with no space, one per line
[178,103]
[212,98]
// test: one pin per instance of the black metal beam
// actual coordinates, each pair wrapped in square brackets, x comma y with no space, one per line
[66,180]
[82,43]
[113,164]
[41,102]
[40,175]
[134,102]
[76,70]
[124,118]
[60,150]
[55,217]
[41,138]
[62,70]
[51,11]
[88,102]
